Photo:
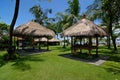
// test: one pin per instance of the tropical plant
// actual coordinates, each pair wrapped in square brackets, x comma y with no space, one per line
[108,12]
[10,50]
[4,28]
[39,14]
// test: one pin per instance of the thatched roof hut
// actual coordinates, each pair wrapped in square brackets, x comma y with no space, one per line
[84,28]
[33,29]
[54,40]
[43,39]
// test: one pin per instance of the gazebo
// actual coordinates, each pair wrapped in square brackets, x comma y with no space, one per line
[84,31]
[41,41]
[54,41]
[34,30]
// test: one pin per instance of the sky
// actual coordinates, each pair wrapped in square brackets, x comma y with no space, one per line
[7,9]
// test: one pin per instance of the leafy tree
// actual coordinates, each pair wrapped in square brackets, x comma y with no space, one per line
[67,19]
[4,28]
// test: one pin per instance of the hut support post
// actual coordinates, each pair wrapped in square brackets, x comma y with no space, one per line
[22,43]
[72,45]
[90,45]
[80,44]
[33,43]
[64,43]
[47,44]
[39,44]
[17,43]
[97,46]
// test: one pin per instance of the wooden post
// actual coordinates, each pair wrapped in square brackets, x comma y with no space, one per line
[80,44]
[47,44]
[64,43]
[33,43]
[17,43]
[22,44]
[90,45]
[97,46]
[39,44]
[72,51]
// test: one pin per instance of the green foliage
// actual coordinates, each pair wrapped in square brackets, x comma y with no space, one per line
[40,14]
[74,7]
[4,28]
[5,38]
[65,20]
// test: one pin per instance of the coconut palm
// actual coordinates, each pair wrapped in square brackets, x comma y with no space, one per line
[108,11]
[10,50]
[39,14]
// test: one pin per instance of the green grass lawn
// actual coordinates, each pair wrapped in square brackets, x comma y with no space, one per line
[52,66]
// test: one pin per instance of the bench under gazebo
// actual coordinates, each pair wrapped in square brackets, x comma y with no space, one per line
[34,30]
[82,34]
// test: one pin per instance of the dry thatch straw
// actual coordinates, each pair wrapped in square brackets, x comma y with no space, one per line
[84,28]
[54,40]
[32,29]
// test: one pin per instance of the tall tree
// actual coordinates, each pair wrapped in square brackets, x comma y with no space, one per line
[108,11]
[39,14]
[73,10]
[74,7]
[10,51]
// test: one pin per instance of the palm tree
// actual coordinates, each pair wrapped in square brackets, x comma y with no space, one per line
[73,10]
[108,12]
[10,50]
[74,7]
[39,14]
[67,19]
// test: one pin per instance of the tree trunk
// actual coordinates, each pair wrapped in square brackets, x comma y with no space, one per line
[108,42]
[114,43]
[10,50]
[64,43]
[111,33]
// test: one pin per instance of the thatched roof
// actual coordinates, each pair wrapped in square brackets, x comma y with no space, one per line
[54,40]
[33,29]
[84,28]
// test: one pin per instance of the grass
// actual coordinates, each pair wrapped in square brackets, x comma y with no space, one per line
[52,66]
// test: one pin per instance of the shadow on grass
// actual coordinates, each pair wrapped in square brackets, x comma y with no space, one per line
[2,61]
[24,52]
[21,64]
[84,57]
[109,52]
[113,69]
[114,57]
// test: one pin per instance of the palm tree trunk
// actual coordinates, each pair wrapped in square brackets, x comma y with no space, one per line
[108,42]
[10,50]
[111,33]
